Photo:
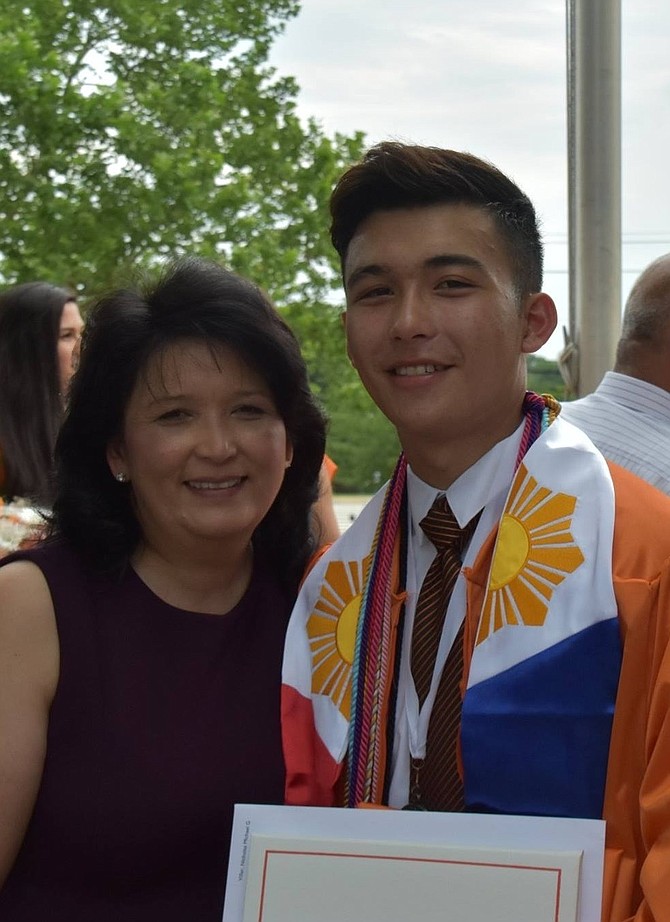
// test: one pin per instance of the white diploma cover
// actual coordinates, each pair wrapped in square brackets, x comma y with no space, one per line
[317,864]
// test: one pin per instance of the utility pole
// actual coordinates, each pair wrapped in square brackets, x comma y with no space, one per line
[594,191]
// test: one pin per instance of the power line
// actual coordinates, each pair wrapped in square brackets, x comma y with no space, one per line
[547,271]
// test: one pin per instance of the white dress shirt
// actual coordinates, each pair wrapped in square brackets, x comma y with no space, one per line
[629,421]
[483,487]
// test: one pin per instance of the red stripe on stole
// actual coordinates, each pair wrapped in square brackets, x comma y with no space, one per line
[311,771]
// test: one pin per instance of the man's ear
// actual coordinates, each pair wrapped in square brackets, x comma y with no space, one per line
[541,319]
[343,319]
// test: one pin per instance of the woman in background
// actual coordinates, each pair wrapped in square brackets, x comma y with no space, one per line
[141,645]
[40,329]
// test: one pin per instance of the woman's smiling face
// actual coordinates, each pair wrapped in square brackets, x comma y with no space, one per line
[203,446]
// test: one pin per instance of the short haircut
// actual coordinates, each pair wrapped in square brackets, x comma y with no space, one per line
[647,311]
[192,301]
[31,407]
[393,175]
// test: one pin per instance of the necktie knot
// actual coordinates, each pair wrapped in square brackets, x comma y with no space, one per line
[441,526]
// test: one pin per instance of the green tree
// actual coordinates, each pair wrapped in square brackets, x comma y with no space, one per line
[135,131]
[360,438]
[544,377]
[131,131]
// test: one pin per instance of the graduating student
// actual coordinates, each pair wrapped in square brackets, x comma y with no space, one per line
[491,633]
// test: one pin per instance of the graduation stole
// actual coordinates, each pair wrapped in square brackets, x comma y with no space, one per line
[378,638]
[542,635]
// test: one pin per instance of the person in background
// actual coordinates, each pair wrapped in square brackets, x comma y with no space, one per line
[141,643]
[492,633]
[628,415]
[325,522]
[40,329]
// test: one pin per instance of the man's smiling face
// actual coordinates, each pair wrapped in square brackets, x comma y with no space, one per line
[434,324]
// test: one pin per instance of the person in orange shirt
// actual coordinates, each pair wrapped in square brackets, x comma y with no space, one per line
[325,524]
[553,627]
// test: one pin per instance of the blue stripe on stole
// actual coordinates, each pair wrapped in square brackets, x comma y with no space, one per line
[535,738]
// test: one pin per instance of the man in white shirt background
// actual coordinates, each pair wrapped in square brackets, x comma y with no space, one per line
[628,415]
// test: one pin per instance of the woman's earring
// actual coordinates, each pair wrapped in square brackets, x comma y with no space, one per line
[121,477]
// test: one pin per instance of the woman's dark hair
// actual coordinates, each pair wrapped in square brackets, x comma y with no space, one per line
[394,175]
[31,407]
[197,301]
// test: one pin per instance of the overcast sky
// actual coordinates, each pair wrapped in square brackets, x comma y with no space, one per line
[490,78]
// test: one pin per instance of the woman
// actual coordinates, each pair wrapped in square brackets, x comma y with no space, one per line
[40,329]
[140,646]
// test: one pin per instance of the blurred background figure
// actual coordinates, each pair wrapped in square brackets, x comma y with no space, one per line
[628,415]
[325,524]
[40,330]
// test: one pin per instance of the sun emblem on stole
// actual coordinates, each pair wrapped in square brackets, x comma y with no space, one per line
[331,629]
[534,553]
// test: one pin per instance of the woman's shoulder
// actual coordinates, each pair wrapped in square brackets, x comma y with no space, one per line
[45,555]
[69,580]
[25,576]
[19,577]
[28,633]
[268,589]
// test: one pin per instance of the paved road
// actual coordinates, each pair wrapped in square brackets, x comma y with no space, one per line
[347,509]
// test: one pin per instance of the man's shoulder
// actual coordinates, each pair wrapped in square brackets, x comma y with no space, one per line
[635,494]
[641,522]
[581,410]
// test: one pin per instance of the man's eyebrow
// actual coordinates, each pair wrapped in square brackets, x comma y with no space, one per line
[440,260]
[372,270]
[452,259]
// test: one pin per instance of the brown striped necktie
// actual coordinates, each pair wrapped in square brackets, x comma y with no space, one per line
[435,783]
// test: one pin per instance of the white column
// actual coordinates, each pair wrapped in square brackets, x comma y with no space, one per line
[594,183]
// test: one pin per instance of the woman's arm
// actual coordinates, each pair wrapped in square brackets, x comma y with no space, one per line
[29,665]
[326,528]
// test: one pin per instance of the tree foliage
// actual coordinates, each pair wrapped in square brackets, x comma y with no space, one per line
[133,131]
[544,377]
[137,130]
[360,438]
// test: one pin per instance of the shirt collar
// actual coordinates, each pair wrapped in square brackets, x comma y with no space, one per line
[634,393]
[476,486]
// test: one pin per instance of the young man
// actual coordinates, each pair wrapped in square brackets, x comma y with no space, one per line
[628,415]
[545,689]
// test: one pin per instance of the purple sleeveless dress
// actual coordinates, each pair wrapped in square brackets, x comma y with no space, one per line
[162,720]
